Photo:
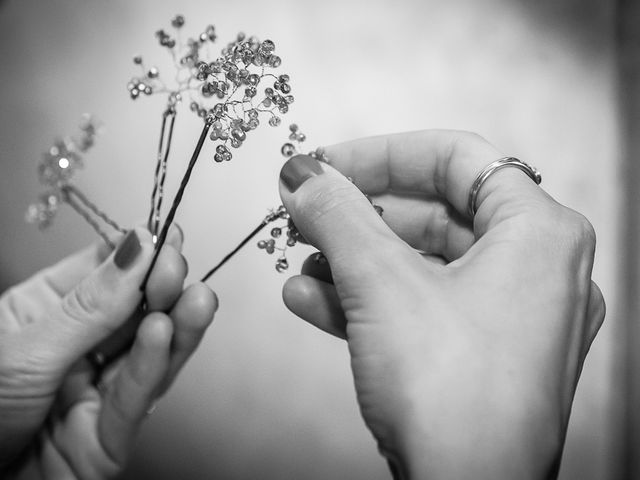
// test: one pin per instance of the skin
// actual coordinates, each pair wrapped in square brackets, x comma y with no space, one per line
[54,423]
[467,335]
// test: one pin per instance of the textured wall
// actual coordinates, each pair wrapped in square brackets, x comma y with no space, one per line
[268,396]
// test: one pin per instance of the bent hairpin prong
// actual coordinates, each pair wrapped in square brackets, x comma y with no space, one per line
[90,212]
[160,175]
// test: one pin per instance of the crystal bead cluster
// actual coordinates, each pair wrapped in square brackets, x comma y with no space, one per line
[288,230]
[58,167]
[56,170]
[229,91]
[232,93]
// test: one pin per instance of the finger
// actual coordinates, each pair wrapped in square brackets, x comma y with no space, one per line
[166,280]
[96,306]
[316,302]
[317,266]
[135,387]
[75,386]
[192,315]
[333,215]
[596,310]
[433,162]
[427,224]
[435,259]
[175,237]
[161,292]
[67,273]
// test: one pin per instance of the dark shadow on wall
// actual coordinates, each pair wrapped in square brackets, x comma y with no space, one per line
[579,22]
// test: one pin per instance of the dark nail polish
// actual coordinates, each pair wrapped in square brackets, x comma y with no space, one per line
[127,251]
[298,170]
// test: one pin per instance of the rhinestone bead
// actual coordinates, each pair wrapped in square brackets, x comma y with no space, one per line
[288,150]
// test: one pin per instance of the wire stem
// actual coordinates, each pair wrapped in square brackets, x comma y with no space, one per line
[80,209]
[227,257]
[93,208]
[176,201]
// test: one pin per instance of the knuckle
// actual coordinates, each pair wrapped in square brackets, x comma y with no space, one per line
[83,301]
[321,202]
[580,231]
[464,140]
[469,137]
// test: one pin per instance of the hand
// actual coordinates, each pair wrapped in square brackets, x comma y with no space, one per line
[54,423]
[467,335]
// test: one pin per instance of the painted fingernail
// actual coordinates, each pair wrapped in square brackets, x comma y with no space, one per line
[128,251]
[298,170]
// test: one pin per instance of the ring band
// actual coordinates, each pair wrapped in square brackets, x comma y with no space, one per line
[493,167]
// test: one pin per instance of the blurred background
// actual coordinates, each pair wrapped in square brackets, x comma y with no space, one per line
[268,396]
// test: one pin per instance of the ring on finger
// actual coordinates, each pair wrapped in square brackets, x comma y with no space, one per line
[489,170]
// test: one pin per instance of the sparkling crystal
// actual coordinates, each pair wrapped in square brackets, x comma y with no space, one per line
[288,150]
[282,264]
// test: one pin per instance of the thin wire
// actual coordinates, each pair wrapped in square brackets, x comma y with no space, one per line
[89,219]
[156,225]
[227,257]
[152,210]
[176,201]
[157,195]
[70,189]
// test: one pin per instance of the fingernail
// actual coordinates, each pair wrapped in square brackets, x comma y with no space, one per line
[180,232]
[298,170]
[127,251]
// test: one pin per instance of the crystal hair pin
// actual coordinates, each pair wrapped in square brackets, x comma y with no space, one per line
[226,92]
[285,234]
[56,171]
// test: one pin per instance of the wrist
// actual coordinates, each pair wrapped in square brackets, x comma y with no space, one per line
[505,442]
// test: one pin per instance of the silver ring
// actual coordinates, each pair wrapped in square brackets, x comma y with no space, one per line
[493,167]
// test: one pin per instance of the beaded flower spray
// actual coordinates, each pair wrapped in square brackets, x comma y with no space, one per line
[56,171]
[286,229]
[224,92]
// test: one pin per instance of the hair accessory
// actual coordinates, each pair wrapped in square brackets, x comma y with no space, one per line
[56,171]
[489,170]
[286,234]
[225,92]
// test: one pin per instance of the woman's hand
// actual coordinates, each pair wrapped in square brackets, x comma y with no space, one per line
[54,423]
[467,335]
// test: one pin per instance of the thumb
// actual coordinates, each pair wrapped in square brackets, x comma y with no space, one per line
[333,215]
[97,305]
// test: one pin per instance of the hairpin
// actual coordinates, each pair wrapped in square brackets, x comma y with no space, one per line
[57,169]
[287,229]
[224,93]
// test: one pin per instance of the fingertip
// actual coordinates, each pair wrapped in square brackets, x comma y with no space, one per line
[166,280]
[175,236]
[156,330]
[196,306]
[143,235]
[294,292]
